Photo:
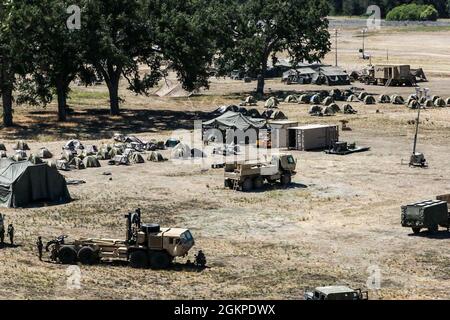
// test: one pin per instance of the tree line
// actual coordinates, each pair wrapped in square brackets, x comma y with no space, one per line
[359,7]
[40,55]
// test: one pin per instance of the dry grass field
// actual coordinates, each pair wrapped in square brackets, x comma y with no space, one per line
[341,216]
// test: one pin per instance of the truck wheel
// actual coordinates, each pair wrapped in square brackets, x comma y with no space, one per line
[433,229]
[67,255]
[139,259]
[159,260]
[286,180]
[247,185]
[87,256]
[416,230]
[258,183]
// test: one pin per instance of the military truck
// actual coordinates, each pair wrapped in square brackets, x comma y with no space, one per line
[336,293]
[389,75]
[145,245]
[249,175]
[428,214]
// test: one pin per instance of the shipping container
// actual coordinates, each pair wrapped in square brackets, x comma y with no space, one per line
[313,137]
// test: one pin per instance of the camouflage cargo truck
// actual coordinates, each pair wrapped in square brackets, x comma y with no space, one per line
[426,215]
[250,175]
[146,245]
[336,293]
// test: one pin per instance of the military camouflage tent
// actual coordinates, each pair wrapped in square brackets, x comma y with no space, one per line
[315,99]
[334,107]
[250,101]
[315,109]
[413,97]
[410,99]
[428,103]
[136,157]
[384,99]
[328,111]
[369,100]
[304,98]
[233,120]
[91,162]
[181,151]
[440,103]
[22,183]
[413,104]
[19,156]
[2,147]
[395,99]
[447,101]
[115,151]
[352,98]
[253,113]
[423,100]
[327,101]
[362,95]
[77,163]
[44,153]
[434,98]
[21,145]
[156,157]
[336,94]
[277,115]
[103,154]
[67,155]
[34,159]
[271,103]
[348,109]
[291,99]
[3,154]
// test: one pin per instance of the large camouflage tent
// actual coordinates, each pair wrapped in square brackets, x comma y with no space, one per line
[22,183]
[384,99]
[234,120]
[136,158]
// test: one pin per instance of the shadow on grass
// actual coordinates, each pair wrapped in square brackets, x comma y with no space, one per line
[9,245]
[100,124]
[440,235]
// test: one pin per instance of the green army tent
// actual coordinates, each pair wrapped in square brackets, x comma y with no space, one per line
[22,183]
[91,162]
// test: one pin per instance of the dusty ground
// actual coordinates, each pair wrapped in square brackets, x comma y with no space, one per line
[341,217]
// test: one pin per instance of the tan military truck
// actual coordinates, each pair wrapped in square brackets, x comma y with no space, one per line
[249,175]
[146,245]
[389,75]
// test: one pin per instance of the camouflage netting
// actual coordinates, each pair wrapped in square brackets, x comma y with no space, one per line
[2,147]
[334,107]
[327,101]
[34,159]
[428,103]
[315,109]
[440,103]
[291,99]
[384,99]
[91,162]
[136,158]
[156,157]
[396,99]
[253,113]
[77,163]
[271,103]
[348,109]
[352,98]
[315,99]
[21,145]
[369,100]
[304,98]
[44,153]
[362,95]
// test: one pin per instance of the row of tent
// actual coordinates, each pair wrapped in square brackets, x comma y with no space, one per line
[331,109]
[250,113]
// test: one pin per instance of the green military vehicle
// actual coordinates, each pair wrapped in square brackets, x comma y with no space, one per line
[249,175]
[336,293]
[428,214]
[146,245]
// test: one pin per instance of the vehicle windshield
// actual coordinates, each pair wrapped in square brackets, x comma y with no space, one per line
[186,237]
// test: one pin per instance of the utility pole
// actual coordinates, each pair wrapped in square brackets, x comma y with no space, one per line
[336,45]
[364,43]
